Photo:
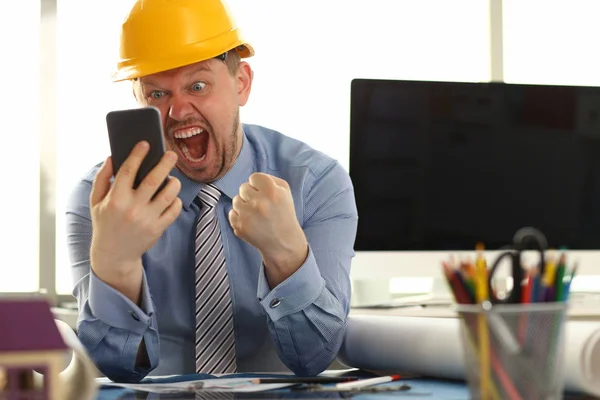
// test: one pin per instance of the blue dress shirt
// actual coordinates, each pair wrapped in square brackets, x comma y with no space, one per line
[297,326]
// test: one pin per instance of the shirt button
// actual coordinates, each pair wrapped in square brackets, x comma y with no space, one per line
[135,316]
[275,303]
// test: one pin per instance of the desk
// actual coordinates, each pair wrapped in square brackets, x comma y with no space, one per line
[420,388]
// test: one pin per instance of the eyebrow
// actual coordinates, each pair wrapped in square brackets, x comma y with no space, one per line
[200,68]
[189,74]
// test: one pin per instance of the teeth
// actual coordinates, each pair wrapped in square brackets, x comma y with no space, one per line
[187,154]
[188,133]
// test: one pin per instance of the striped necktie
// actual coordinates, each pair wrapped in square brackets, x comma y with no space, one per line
[215,344]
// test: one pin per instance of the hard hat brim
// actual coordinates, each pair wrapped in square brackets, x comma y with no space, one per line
[191,54]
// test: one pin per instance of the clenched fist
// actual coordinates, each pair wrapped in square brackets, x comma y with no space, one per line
[263,215]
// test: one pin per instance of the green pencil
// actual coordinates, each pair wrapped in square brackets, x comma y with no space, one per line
[573,271]
[559,284]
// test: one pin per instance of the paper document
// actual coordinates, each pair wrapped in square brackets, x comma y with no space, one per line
[218,384]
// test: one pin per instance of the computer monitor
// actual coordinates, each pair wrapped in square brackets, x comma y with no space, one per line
[440,166]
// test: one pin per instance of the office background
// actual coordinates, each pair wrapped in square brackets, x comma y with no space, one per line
[58,57]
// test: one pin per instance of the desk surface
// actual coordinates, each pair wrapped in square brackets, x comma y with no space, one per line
[425,388]
[420,388]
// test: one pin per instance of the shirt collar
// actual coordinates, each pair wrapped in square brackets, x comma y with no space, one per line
[229,184]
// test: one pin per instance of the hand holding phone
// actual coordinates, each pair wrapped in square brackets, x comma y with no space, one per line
[127,223]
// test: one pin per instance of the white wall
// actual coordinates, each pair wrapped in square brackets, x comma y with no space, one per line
[552,42]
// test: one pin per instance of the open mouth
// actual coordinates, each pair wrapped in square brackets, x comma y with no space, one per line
[193,143]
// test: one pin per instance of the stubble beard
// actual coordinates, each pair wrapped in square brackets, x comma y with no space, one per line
[228,155]
[232,151]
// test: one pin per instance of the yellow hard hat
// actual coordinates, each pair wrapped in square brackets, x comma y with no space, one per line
[159,35]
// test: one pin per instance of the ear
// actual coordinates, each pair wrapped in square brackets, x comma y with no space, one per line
[136,87]
[244,82]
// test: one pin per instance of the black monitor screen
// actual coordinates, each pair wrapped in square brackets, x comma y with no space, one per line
[444,165]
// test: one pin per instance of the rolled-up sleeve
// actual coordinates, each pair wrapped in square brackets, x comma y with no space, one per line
[307,312]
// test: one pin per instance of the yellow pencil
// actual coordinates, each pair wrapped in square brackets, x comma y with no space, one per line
[550,272]
[484,340]
[481,274]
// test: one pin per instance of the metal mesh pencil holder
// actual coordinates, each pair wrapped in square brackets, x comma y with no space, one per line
[514,351]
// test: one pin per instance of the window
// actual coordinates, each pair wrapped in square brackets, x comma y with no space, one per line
[87,51]
[306,57]
[307,53]
[554,42]
[551,42]
[19,204]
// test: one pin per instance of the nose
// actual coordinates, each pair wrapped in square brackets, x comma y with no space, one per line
[180,108]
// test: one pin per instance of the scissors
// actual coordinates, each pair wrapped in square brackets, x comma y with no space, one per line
[521,240]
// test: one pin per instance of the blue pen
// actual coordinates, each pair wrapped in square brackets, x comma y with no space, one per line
[568,284]
[565,294]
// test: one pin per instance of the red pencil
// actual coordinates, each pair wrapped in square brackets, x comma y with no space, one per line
[526,293]
[460,293]
[460,288]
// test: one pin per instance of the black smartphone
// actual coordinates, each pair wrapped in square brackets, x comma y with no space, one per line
[128,127]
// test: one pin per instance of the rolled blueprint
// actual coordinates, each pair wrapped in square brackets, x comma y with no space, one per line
[433,347]
[582,357]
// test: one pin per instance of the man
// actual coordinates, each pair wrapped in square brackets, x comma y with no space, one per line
[241,263]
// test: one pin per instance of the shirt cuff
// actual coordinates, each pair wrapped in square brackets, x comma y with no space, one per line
[294,294]
[113,308]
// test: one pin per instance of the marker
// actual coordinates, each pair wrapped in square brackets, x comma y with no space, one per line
[314,379]
[367,382]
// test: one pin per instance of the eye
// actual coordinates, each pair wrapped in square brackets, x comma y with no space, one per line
[198,86]
[157,94]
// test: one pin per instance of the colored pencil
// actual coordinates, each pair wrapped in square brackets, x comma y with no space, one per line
[484,339]
[468,283]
